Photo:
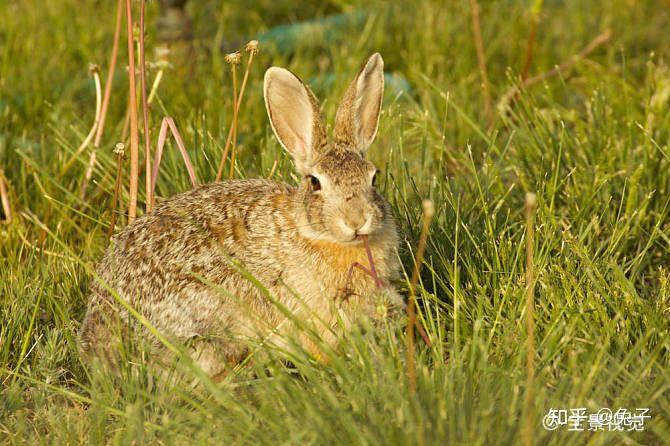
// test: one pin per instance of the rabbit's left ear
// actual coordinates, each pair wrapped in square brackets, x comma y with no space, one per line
[294,115]
[358,115]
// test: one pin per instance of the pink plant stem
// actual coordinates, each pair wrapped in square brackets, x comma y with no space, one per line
[110,74]
[145,112]
[355,265]
[168,123]
[481,59]
[372,272]
[134,137]
[158,154]
[361,267]
[371,262]
[423,334]
[184,153]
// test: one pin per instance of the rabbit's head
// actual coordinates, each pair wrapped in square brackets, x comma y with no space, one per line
[337,200]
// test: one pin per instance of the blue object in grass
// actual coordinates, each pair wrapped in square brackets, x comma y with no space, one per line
[393,82]
[287,37]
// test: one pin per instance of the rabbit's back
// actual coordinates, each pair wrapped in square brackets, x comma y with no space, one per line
[172,264]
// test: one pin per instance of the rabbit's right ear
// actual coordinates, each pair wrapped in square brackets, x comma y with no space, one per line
[357,117]
[294,115]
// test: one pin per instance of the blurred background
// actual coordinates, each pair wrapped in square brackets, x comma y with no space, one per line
[47,96]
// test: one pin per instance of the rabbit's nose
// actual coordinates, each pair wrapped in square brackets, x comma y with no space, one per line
[359,224]
[353,222]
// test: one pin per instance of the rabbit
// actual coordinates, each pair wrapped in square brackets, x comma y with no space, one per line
[228,263]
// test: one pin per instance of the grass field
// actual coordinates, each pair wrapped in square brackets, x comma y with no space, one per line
[592,142]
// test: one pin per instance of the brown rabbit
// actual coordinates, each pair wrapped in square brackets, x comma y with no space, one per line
[187,266]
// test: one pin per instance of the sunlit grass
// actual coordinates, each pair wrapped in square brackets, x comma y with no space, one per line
[592,144]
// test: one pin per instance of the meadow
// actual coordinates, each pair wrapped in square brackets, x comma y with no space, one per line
[590,138]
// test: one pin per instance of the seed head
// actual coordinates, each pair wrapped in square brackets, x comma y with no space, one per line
[428,208]
[233,58]
[252,47]
[162,54]
[531,200]
[119,149]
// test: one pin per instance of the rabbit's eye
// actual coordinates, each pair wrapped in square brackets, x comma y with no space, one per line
[314,182]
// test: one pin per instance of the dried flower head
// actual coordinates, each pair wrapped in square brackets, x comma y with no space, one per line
[93,68]
[162,52]
[233,58]
[252,47]
[119,149]
[531,200]
[428,208]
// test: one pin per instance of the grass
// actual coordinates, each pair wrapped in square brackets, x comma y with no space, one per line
[591,143]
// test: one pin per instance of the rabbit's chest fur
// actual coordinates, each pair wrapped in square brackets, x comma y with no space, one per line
[180,266]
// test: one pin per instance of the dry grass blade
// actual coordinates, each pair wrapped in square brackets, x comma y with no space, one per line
[4,197]
[428,212]
[134,136]
[234,126]
[182,148]
[168,123]
[158,154]
[110,73]
[273,169]
[145,111]
[162,63]
[530,44]
[95,72]
[529,49]
[529,417]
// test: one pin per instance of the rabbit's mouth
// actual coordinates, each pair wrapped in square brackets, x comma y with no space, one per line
[355,240]
[359,238]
